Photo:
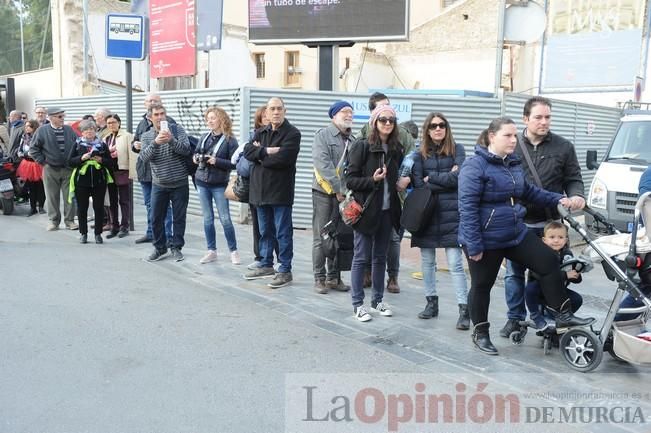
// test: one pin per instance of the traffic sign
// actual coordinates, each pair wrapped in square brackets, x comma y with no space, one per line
[125,37]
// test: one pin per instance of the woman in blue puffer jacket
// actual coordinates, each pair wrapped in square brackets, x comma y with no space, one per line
[492,228]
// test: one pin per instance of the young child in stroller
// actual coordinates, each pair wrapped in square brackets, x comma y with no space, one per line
[555,236]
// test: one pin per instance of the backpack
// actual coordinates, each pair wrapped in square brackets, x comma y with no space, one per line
[194,142]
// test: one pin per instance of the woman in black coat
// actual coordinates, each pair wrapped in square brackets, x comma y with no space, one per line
[436,168]
[90,158]
[371,175]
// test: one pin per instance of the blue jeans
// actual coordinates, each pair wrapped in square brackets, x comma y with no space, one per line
[373,249]
[206,197]
[282,233]
[514,285]
[160,202]
[455,262]
[146,194]
[630,302]
[533,297]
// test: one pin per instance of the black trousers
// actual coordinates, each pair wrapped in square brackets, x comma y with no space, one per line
[119,196]
[36,194]
[83,195]
[533,254]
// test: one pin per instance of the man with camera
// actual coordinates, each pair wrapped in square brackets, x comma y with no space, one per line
[166,147]
[143,170]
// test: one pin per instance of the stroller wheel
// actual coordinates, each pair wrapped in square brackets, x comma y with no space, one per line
[581,349]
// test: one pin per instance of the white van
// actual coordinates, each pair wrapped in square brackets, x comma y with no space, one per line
[614,189]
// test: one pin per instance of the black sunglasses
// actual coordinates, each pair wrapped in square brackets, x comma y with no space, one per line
[387,120]
[433,126]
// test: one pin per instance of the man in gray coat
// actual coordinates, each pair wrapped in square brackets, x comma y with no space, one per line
[330,145]
[50,147]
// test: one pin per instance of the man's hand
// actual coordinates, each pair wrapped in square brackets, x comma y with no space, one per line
[212,160]
[273,150]
[340,197]
[454,168]
[403,183]
[137,145]
[577,203]
[163,137]
[97,158]
[256,143]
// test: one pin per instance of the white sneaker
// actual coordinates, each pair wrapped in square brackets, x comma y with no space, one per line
[211,256]
[382,308]
[361,314]
[235,258]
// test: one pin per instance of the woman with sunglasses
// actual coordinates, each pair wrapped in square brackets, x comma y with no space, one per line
[123,167]
[492,228]
[371,176]
[437,169]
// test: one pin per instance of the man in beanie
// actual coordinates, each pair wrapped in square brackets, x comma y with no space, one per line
[330,145]
[273,152]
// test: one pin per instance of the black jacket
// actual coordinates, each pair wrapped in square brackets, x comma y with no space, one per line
[92,177]
[273,176]
[442,228]
[363,159]
[559,170]
[218,174]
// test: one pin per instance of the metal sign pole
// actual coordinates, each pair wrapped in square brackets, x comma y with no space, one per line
[129,96]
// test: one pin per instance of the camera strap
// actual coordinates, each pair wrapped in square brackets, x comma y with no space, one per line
[217,146]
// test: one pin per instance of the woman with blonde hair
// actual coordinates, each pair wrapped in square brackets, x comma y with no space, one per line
[213,157]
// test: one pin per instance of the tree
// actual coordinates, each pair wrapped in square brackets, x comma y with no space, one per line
[37,35]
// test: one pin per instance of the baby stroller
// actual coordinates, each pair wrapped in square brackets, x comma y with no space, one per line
[621,256]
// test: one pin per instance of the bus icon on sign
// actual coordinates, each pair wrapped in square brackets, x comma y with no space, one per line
[131,29]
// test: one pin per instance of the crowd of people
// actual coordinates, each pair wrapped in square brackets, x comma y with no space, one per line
[499,203]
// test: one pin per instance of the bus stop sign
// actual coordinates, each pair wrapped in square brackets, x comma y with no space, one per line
[125,37]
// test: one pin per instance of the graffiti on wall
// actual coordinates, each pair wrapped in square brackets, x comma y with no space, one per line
[190,111]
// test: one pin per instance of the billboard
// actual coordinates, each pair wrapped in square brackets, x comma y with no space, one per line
[295,21]
[209,24]
[172,38]
[593,45]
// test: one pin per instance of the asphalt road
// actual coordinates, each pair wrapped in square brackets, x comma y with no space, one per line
[95,339]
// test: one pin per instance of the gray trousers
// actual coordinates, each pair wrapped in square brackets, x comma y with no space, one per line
[57,183]
[322,208]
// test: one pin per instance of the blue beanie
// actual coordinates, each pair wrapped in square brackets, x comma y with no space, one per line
[337,107]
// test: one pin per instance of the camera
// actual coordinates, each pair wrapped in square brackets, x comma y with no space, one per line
[202,160]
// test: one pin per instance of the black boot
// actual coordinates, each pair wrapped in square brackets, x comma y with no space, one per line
[464,318]
[566,319]
[431,309]
[482,339]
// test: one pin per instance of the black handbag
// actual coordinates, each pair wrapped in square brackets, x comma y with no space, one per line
[417,210]
[337,239]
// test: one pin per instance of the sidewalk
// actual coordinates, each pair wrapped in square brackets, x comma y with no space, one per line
[404,335]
